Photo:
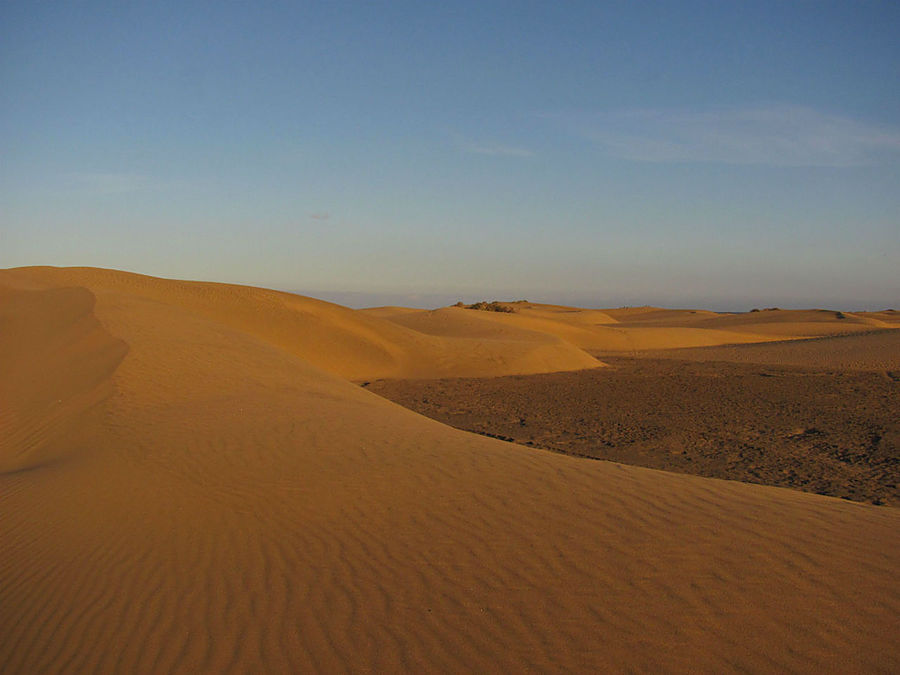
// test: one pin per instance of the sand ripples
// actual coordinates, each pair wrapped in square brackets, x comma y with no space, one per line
[241,511]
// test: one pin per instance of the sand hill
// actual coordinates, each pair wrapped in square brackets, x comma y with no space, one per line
[876,350]
[189,483]
[635,329]
[354,345]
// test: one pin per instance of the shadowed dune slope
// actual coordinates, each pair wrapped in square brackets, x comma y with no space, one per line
[55,368]
[241,510]
[388,311]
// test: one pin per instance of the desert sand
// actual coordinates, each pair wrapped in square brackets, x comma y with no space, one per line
[192,481]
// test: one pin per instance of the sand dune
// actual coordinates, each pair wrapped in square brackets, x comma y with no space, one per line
[575,315]
[351,344]
[873,350]
[230,505]
[389,311]
[795,323]
[56,365]
[638,328]
[827,320]
[890,317]
[456,322]
[658,315]
[631,329]
[684,326]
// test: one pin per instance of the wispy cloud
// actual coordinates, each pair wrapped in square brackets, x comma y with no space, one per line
[776,135]
[496,150]
[319,216]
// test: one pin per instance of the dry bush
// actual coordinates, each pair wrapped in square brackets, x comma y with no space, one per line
[492,306]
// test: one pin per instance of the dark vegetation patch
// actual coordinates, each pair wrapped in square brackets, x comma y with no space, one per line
[492,306]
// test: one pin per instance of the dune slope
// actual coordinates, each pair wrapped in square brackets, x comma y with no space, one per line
[56,367]
[632,329]
[235,508]
[351,344]
[873,350]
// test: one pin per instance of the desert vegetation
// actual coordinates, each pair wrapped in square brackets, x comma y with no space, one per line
[492,306]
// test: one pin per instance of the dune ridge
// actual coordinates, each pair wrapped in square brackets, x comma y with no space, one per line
[56,367]
[240,508]
[637,329]
[337,339]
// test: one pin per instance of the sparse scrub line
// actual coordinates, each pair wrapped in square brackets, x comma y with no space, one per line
[837,315]
[492,306]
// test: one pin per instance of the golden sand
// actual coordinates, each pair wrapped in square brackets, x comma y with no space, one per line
[190,484]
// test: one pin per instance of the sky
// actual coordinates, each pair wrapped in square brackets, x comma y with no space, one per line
[720,154]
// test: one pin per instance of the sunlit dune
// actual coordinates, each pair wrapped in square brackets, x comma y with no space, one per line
[190,483]
[631,329]
[352,344]
[877,350]
[890,317]
[658,315]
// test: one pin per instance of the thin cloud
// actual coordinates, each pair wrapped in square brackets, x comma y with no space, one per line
[778,135]
[496,150]
[319,216]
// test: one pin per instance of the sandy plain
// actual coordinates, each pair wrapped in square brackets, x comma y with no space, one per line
[193,481]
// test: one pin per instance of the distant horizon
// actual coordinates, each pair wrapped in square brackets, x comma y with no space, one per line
[368,300]
[436,299]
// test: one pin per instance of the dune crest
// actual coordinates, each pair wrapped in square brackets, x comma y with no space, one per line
[342,341]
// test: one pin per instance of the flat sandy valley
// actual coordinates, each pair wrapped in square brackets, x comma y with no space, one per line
[200,477]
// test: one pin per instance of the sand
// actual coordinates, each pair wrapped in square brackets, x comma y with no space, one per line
[638,329]
[211,494]
[877,350]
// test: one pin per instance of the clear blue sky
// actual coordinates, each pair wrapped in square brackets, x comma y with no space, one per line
[718,154]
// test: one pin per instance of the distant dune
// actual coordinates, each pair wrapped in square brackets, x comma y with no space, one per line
[190,483]
[635,329]
[871,350]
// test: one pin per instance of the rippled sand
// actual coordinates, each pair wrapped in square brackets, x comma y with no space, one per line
[190,484]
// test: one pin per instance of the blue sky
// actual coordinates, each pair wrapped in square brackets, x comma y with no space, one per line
[717,154]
